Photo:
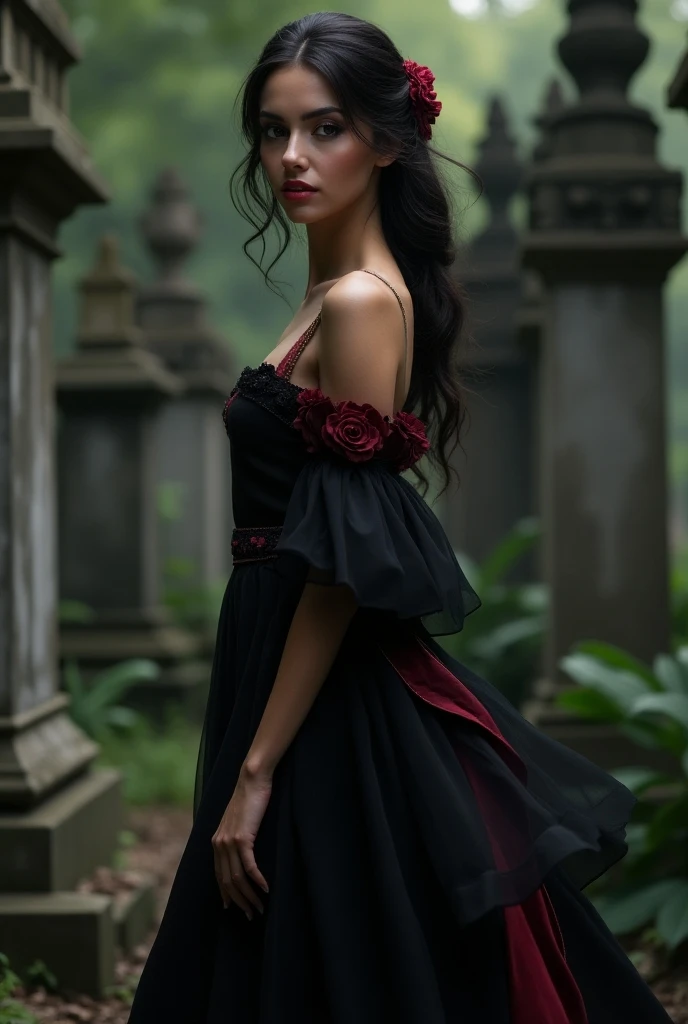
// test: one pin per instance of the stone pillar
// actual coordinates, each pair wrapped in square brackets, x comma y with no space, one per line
[496,468]
[110,393]
[530,313]
[59,818]
[192,444]
[604,231]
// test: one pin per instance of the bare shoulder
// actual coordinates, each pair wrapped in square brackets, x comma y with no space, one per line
[362,296]
[361,341]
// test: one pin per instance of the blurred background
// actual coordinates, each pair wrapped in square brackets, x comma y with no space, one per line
[566,525]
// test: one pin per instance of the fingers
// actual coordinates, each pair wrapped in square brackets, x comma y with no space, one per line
[242,885]
[232,878]
[250,866]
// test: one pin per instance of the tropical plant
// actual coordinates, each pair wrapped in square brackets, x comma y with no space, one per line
[503,638]
[158,763]
[94,706]
[650,706]
[11,1011]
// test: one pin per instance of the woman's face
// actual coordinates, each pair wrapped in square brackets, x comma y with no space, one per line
[315,148]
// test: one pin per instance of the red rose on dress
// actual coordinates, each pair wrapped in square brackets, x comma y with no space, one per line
[355,431]
[310,419]
[407,441]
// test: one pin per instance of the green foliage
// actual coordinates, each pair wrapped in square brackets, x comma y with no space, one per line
[11,1011]
[158,764]
[679,594]
[502,640]
[74,611]
[94,706]
[194,605]
[649,705]
[39,975]
[125,841]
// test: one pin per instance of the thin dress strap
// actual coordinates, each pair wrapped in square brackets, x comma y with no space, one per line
[286,366]
[403,312]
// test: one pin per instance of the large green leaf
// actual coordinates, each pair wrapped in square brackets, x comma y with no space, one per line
[673,705]
[108,686]
[672,674]
[669,824]
[589,704]
[639,779]
[513,546]
[616,657]
[625,912]
[672,918]
[620,685]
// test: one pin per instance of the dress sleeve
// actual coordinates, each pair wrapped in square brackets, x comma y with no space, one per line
[364,525]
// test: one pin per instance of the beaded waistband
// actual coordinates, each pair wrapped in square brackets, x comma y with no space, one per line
[254,543]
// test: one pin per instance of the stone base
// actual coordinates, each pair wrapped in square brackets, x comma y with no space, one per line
[40,750]
[75,934]
[51,847]
[601,743]
[134,914]
[72,933]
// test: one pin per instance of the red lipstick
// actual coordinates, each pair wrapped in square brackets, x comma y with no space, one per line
[297,189]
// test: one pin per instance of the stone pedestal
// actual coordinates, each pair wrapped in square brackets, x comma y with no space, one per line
[110,394]
[604,232]
[193,453]
[57,815]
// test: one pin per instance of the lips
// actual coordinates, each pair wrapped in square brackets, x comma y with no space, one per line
[297,186]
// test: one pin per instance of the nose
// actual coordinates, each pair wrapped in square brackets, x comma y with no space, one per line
[293,155]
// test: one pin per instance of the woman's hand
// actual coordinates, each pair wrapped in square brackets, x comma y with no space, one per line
[235,838]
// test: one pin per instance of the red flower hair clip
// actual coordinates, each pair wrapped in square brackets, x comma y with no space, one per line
[424,100]
[359,433]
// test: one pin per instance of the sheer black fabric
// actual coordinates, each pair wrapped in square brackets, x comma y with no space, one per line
[367,527]
[415,804]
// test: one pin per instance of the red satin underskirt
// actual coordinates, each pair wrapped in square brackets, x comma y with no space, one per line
[542,987]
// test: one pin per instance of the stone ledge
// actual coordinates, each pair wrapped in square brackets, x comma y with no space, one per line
[52,846]
[73,933]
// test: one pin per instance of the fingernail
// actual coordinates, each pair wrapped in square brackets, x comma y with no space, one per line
[260,909]
[265,888]
[249,916]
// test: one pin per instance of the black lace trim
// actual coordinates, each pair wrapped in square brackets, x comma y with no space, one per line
[254,543]
[264,386]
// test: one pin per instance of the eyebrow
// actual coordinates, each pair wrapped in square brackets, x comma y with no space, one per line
[305,117]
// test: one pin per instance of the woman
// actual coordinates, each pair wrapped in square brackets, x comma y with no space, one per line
[378,834]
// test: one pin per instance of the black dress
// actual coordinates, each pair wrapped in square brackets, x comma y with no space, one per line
[424,845]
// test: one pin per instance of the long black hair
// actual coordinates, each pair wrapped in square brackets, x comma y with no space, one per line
[366,72]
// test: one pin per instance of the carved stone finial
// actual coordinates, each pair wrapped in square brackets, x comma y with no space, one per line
[603,47]
[552,104]
[107,299]
[600,201]
[171,228]
[500,170]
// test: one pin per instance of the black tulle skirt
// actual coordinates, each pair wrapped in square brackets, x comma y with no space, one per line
[424,845]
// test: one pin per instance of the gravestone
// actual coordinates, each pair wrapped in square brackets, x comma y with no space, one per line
[59,816]
[193,461]
[110,393]
[604,232]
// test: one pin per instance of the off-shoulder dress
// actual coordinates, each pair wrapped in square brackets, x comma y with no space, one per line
[425,846]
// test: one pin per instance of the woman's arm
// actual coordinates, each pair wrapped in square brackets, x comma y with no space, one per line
[320,621]
[360,351]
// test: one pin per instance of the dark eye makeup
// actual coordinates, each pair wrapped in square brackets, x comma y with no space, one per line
[324,124]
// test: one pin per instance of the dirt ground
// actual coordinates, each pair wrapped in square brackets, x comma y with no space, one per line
[162,833]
